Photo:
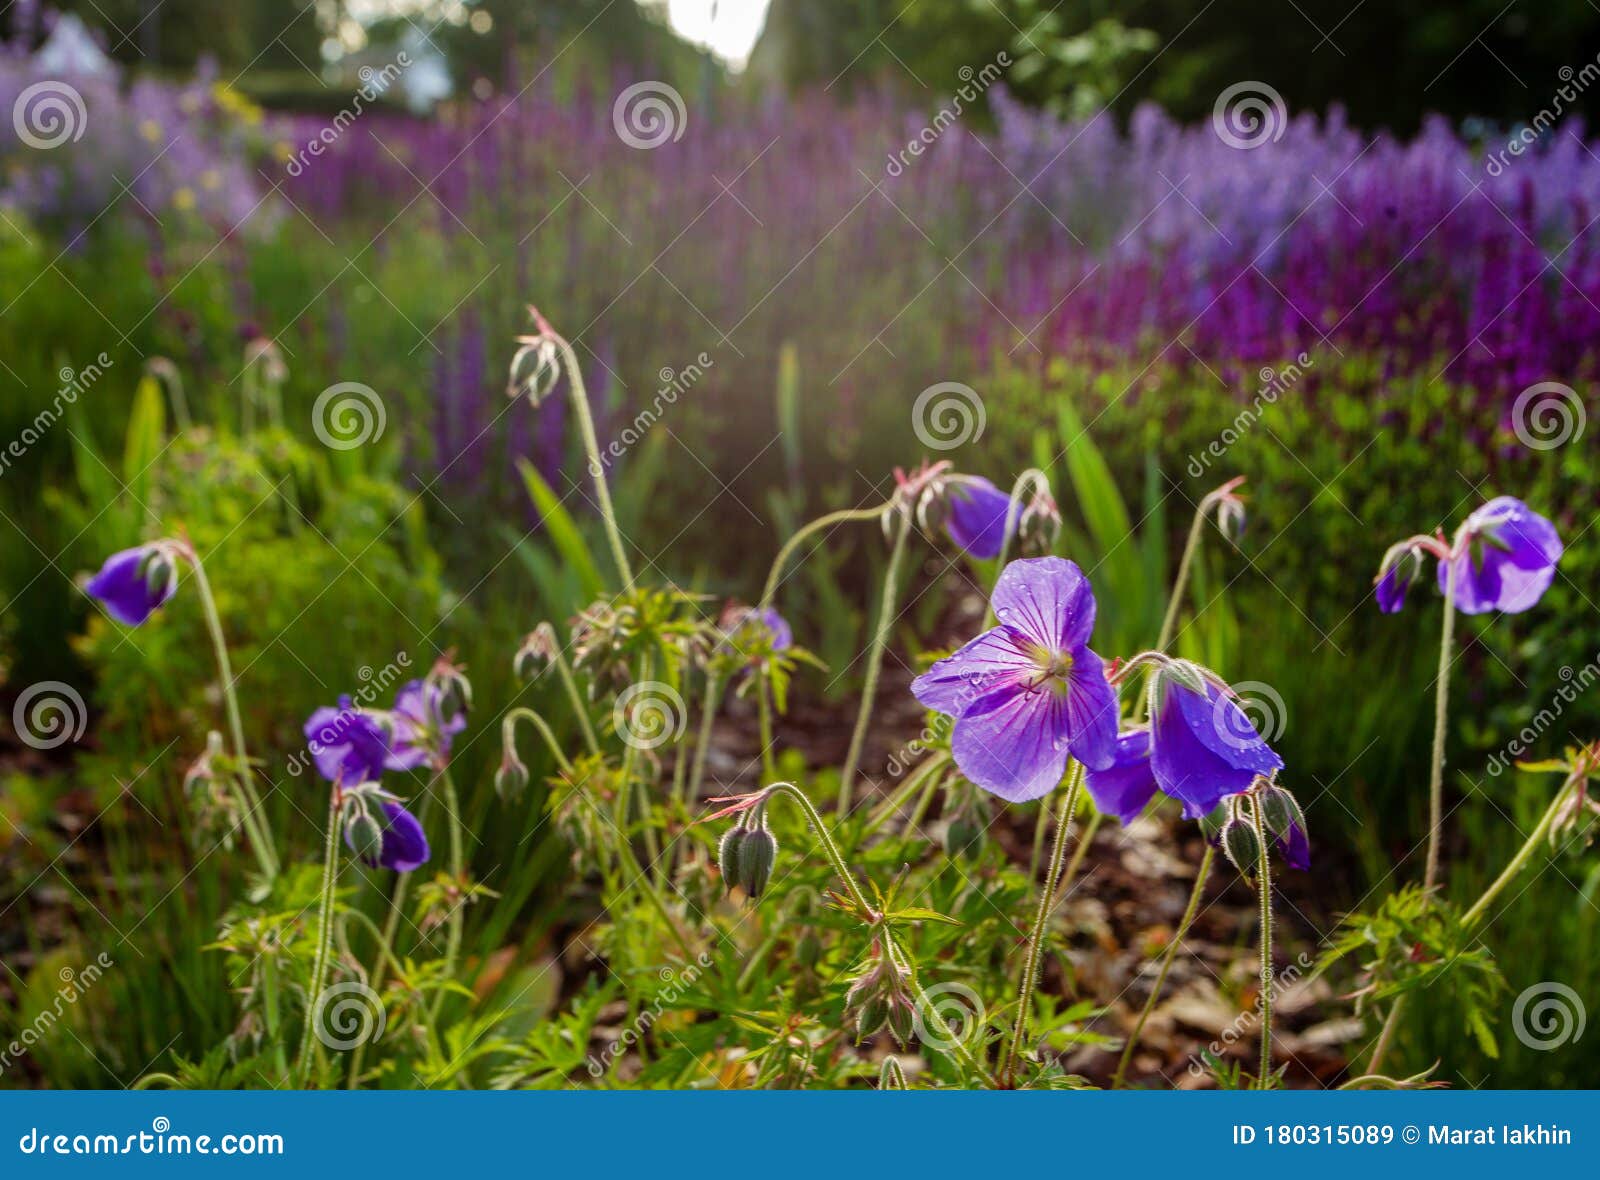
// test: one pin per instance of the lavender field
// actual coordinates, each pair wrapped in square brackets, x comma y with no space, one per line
[650,570]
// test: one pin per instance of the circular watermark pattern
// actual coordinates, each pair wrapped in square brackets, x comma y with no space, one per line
[649,714]
[49,714]
[948,415]
[649,114]
[161,1124]
[49,114]
[1548,415]
[1254,713]
[946,1014]
[1249,114]
[348,415]
[1548,1015]
[348,1014]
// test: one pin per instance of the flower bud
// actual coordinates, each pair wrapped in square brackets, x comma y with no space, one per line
[1241,845]
[756,857]
[160,572]
[538,652]
[1280,811]
[512,777]
[728,855]
[364,834]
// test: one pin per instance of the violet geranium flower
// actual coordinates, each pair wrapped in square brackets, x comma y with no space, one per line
[426,716]
[346,744]
[1029,692]
[404,846]
[976,514]
[1203,747]
[1505,560]
[134,583]
[1123,788]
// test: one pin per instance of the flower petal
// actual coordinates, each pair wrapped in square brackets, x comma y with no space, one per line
[1092,711]
[1012,743]
[993,660]
[1048,599]
[405,845]
[1125,787]
[977,512]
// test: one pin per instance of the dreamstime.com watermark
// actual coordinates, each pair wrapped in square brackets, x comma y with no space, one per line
[1274,384]
[374,684]
[674,984]
[158,1140]
[1574,83]
[374,83]
[674,384]
[73,385]
[1245,1023]
[1574,685]
[973,85]
[74,983]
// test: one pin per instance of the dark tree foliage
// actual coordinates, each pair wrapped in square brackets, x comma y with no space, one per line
[1387,63]
[175,34]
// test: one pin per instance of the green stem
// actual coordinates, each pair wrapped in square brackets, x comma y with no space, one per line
[1264,1082]
[1518,862]
[1170,622]
[1441,704]
[458,868]
[579,709]
[1041,919]
[508,736]
[880,641]
[391,926]
[591,447]
[702,746]
[1167,960]
[319,964]
[254,818]
[890,807]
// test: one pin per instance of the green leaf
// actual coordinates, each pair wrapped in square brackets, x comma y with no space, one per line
[564,533]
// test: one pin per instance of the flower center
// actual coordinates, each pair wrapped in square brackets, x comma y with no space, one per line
[1054,668]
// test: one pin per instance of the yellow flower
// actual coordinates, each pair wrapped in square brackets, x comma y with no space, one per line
[183,199]
[150,129]
[210,179]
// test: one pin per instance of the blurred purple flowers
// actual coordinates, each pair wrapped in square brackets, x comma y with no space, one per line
[1029,692]
[347,744]
[134,583]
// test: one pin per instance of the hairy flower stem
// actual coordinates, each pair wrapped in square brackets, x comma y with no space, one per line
[702,745]
[591,448]
[574,698]
[319,964]
[252,815]
[458,868]
[929,1008]
[1169,623]
[880,641]
[1041,921]
[1441,706]
[770,590]
[1264,1082]
[1519,861]
[1167,959]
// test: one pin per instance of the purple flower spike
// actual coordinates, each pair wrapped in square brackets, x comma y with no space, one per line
[347,745]
[1124,787]
[132,584]
[1507,560]
[976,514]
[422,727]
[405,845]
[1028,693]
[1205,747]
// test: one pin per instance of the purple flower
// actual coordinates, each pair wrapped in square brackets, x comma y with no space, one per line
[782,638]
[976,516]
[1029,692]
[425,718]
[1507,560]
[404,846]
[135,582]
[1203,746]
[347,745]
[1393,584]
[1295,847]
[1123,788]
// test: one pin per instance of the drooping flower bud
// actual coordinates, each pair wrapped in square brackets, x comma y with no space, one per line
[538,652]
[1241,845]
[1283,819]
[363,832]
[512,777]
[757,854]
[881,997]
[1400,569]
[728,855]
